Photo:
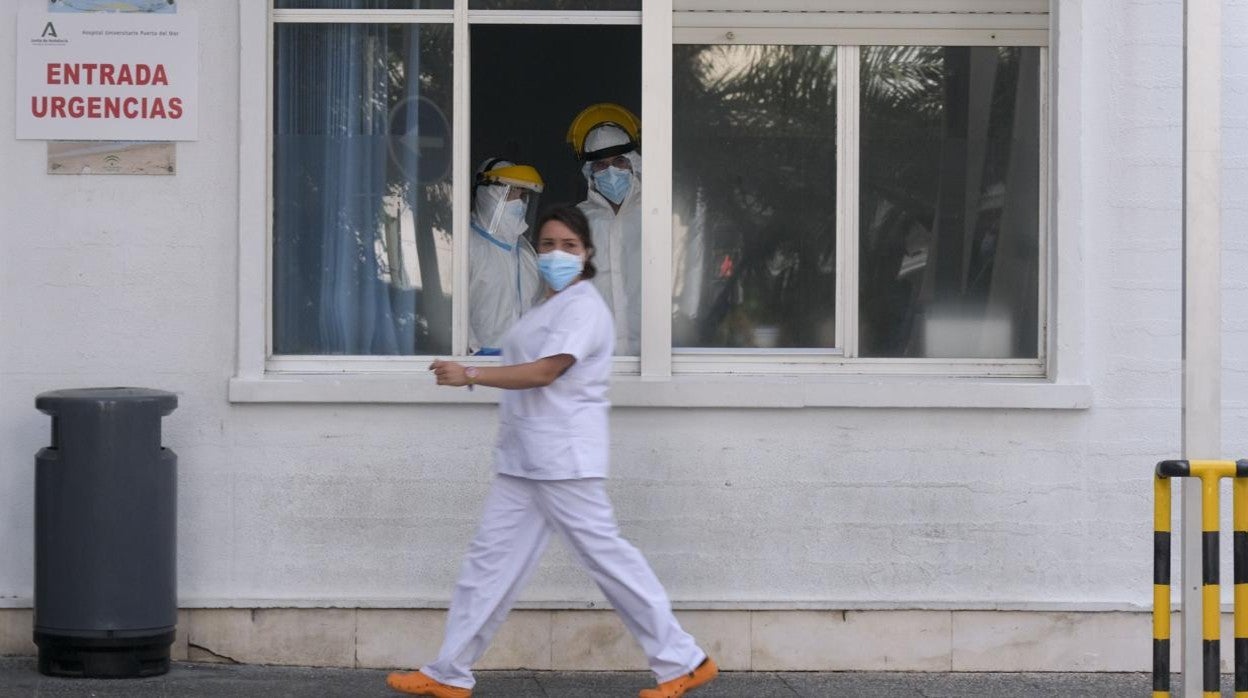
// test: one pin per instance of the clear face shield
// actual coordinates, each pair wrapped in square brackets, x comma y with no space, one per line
[514,213]
[505,208]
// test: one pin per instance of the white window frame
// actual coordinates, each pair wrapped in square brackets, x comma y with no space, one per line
[663,376]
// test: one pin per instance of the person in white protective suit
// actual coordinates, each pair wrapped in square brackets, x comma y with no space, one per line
[551,466]
[502,266]
[606,138]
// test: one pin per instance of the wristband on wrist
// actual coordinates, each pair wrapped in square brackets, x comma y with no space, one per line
[471,374]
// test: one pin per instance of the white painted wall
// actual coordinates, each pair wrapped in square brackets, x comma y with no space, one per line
[132,281]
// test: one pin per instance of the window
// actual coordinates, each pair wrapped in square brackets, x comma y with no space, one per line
[859,187]
[364,119]
[948,181]
[831,187]
[361,189]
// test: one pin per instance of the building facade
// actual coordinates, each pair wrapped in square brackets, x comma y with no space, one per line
[910,322]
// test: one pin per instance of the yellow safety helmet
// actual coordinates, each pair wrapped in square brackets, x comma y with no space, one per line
[601,114]
[523,176]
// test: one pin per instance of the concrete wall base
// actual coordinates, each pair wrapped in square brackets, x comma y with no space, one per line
[740,640]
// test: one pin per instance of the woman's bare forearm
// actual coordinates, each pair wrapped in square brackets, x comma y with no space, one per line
[535,374]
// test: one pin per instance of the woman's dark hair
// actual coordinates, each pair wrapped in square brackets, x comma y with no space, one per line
[576,221]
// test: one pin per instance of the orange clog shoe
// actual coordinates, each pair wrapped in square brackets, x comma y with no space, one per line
[679,686]
[421,684]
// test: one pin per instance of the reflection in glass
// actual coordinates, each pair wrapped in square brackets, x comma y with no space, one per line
[949,202]
[361,189]
[364,4]
[754,196]
[564,5]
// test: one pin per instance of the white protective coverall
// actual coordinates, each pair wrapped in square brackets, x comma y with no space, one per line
[617,254]
[503,281]
[551,460]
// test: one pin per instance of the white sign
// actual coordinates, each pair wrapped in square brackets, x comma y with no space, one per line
[108,76]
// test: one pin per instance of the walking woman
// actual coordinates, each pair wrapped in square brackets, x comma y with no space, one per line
[551,464]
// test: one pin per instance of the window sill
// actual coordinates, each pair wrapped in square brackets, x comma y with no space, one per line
[739,391]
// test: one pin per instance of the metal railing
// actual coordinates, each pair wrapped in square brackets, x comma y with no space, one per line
[1210,473]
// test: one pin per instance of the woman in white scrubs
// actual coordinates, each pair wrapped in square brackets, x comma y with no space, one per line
[551,463]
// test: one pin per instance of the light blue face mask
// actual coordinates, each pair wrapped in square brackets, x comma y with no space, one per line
[613,183]
[559,268]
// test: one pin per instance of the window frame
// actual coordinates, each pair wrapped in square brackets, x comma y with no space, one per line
[691,377]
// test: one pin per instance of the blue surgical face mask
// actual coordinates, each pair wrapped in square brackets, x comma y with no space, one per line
[559,268]
[613,183]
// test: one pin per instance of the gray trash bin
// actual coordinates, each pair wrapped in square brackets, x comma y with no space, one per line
[105,534]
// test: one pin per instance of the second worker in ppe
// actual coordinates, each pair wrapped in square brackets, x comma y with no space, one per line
[606,138]
[503,281]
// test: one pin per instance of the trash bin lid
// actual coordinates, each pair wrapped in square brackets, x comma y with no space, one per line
[52,401]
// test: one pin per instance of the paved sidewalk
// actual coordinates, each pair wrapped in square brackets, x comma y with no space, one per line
[19,677]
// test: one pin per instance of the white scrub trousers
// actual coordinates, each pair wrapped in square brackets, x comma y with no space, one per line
[519,516]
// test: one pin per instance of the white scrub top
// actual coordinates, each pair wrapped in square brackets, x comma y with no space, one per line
[559,432]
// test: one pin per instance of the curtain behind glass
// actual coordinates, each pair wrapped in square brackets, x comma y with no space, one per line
[361,203]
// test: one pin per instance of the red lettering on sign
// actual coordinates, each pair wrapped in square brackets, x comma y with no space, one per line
[106,74]
[106,107]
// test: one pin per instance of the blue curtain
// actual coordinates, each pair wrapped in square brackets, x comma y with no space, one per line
[339,285]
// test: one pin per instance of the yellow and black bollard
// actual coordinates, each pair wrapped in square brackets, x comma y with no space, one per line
[1161,576]
[1210,473]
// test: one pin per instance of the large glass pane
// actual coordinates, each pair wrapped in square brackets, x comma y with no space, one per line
[754,197]
[364,4]
[362,189]
[949,196]
[564,5]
